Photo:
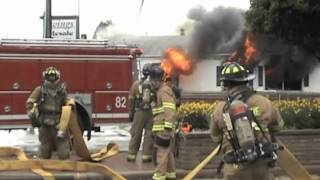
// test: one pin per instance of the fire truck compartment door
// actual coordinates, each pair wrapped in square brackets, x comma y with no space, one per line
[111,104]
[5,104]
[19,75]
[110,75]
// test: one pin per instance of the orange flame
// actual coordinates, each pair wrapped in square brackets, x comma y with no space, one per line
[249,48]
[248,56]
[166,66]
[176,60]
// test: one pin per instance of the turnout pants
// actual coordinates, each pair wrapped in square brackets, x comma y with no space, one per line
[142,120]
[49,142]
[165,162]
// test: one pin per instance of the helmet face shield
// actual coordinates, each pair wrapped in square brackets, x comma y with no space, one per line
[146,70]
[51,74]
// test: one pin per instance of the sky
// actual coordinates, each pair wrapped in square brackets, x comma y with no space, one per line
[21,18]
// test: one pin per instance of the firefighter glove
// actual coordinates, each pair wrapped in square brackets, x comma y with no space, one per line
[34,116]
[61,134]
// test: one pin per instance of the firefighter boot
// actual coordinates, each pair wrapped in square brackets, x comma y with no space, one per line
[146,158]
[171,176]
[131,157]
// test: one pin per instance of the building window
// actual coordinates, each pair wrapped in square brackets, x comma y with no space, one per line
[306,81]
[219,68]
[260,75]
[277,78]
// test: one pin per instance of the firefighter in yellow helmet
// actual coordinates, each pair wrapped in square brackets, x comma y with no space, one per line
[244,124]
[164,123]
[44,107]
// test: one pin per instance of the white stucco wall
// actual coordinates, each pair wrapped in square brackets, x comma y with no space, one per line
[203,79]
[314,81]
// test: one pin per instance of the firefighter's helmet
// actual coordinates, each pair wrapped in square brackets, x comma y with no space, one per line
[234,72]
[51,74]
[157,72]
[146,70]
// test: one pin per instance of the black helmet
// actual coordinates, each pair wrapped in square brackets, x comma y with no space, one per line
[146,69]
[234,72]
[157,72]
[51,74]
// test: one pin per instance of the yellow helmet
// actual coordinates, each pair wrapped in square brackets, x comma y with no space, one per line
[234,72]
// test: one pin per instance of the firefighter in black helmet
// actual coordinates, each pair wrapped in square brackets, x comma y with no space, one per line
[164,124]
[44,107]
[259,120]
[139,104]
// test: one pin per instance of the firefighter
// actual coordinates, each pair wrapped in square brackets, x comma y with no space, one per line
[164,123]
[140,114]
[244,124]
[44,107]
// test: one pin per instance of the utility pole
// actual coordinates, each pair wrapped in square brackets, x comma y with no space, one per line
[48,20]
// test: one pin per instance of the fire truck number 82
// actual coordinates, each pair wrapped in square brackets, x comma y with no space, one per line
[121,102]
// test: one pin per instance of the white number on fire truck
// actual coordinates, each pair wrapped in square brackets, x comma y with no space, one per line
[121,102]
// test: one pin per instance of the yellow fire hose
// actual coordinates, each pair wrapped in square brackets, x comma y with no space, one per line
[19,153]
[69,122]
[290,164]
[203,163]
[59,165]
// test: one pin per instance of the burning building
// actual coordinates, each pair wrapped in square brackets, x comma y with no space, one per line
[204,77]
[218,36]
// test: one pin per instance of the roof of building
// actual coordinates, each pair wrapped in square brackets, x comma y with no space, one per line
[152,45]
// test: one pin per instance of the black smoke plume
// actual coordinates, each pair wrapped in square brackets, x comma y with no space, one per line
[213,30]
[223,30]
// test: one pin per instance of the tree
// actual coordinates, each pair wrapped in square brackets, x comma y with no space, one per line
[295,21]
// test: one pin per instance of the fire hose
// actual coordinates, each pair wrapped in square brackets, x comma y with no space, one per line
[38,165]
[202,164]
[290,164]
[68,121]
[286,161]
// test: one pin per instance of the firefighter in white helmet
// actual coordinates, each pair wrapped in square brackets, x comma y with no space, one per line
[44,107]
[244,124]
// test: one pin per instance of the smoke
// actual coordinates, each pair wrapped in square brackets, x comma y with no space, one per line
[102,29]
[284,60]
[223,30]
[220,28]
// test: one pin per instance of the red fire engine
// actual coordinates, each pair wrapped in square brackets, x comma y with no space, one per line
[96,73]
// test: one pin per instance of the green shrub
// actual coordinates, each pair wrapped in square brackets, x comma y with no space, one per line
[297,114]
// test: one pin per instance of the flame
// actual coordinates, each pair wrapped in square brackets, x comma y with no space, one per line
[167,68]
[248,55]
[249,48]
[176,60]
